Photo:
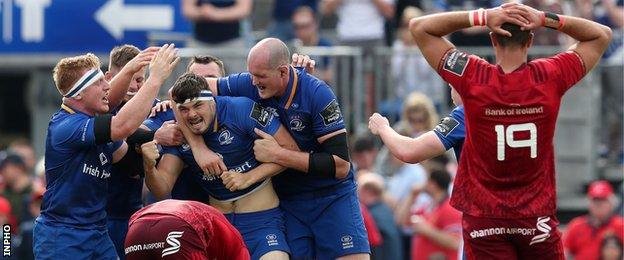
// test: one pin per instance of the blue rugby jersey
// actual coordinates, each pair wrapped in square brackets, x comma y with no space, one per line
[77,172]
[309,109]
[125,193]
[451,131]
[231,135]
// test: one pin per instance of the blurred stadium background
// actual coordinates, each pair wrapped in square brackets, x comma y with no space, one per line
[38,33]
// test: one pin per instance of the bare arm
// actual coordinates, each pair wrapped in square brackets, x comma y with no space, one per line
[328,7]
[136,110]
[160,180]
[190,10]
[121,81]
[402,213]
[385,8]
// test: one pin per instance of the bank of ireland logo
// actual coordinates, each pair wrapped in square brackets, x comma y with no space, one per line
[347,241]
[174,243]
[542,226]
[225,137]
[272,240]
[296,124]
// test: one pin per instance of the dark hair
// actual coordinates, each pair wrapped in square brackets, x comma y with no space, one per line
[206,59]
[440,177]
[188,86]
[614,238]
[364,142]
[518,37]
[121,55]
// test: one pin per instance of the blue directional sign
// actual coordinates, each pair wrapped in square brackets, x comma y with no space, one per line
[70,26]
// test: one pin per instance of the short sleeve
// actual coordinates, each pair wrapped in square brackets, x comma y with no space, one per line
[451,130]
[237,85]
[325,111]
[457,67]
[564,68]
[155,122]
[252,115]
[75,132]
[173,150]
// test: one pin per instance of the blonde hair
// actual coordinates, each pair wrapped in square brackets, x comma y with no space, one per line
[69,70]
[417,101]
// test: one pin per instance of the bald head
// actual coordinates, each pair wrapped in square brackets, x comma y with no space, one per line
[270,52]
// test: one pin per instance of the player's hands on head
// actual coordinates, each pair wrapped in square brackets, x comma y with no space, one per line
[150,154]
[303,61]
[532,16]
[500,15]
[234,181]
[169,134]
[265,148]
[164,62]
[376,122]
[161,106]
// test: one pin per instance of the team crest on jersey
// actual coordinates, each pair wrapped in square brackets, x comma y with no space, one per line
[186,147]
[331,113]
[456,62]
[260,114]
[446,126]
[296,125]
[225,137]
[103,158]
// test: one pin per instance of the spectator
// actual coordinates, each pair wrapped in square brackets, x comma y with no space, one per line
[585,233]
[410,70]
[611,248]
[370,192]
[24,249]
[24,149]
[306,32]
[546,37]
[281,26]
[217,25]
[374,237]
[363,152]
[475,36]
[437,226]
[18,184]
[609,13]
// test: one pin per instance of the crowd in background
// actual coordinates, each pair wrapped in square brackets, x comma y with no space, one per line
[406,203]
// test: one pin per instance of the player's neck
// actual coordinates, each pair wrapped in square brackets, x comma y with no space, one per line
[509,59]
[77,105]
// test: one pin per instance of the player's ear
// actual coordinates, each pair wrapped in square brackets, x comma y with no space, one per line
[493,39]
[530,41]
[108,76]
[283,71]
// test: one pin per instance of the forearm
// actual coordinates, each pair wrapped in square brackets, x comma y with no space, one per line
[155,182]
[293,159]
[439,25]
[119,86]
[583,30]
[133,113]
[443,239]
[395,142]
[329,6]
[386,9]
[264,171]
[402,216]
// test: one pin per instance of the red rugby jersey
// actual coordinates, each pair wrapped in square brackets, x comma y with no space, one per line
[507,167]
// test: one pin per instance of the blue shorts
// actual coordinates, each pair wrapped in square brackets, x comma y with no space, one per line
[325,226]
[57,242]
[263,231]
[117,231]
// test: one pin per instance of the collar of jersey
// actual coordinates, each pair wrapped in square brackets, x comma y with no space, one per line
[71,110]
[215,122]
[500,69]
[291,89]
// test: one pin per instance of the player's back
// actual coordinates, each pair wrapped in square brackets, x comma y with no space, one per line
[507,165]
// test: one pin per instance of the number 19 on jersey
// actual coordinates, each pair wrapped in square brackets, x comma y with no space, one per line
[506,137]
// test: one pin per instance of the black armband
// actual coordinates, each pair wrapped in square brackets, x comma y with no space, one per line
[102,128]
[337,145]
[322,165]
[139,137]
[131,164]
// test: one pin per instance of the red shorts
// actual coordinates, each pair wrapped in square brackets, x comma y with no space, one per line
[510,239]
[167,237]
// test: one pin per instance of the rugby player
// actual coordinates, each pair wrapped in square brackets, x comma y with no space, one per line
[505,185]
[82,143]
[176,229]
[244,193]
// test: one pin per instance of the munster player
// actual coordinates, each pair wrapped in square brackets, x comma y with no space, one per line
[505,185]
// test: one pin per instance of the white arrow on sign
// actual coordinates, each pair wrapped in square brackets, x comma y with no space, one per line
[116,17]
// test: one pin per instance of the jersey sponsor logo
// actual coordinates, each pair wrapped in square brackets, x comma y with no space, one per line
[103,159]
[347,241]
[174,243]
[272,240]
[95,171]
[501,231]
[542,226]
[446,126]
[331,113]
[260,114]
[456,62]
[225,137]
[296,125]
[141,247]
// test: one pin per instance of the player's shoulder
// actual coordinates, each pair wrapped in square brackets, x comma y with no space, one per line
[553,65]
[458,112]
[64,122]
[459,62]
